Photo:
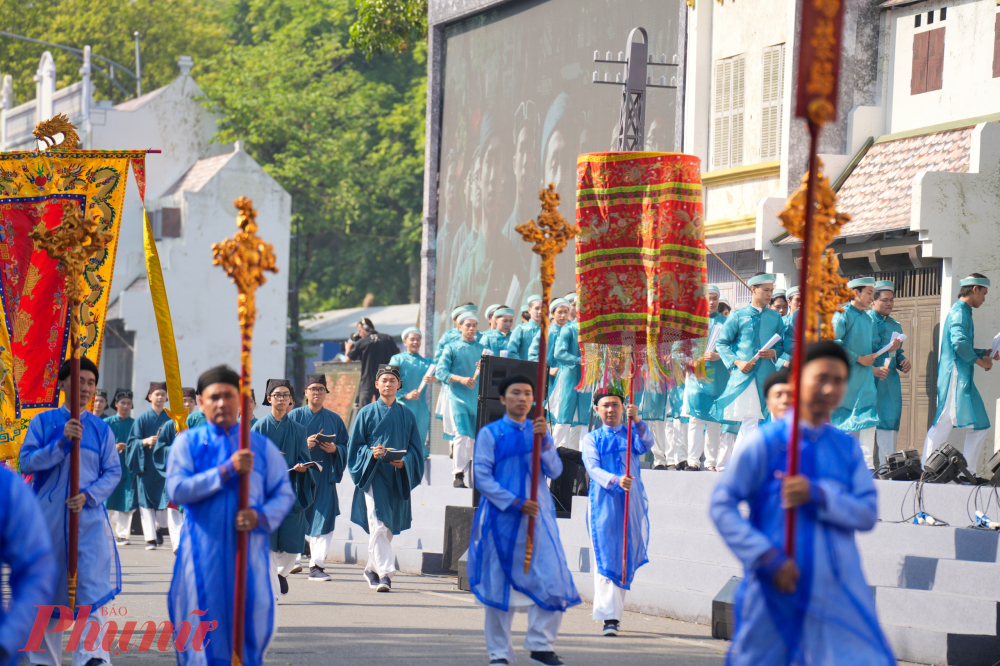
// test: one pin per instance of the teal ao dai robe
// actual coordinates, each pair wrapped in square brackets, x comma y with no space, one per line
[412,368]
[149,480]
[890,392]
[124,498]
[958,357]
[855,332]
[745,332]
[460,358]
[322,514]
[290,438]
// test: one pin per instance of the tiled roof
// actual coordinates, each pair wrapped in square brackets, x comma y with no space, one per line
[878,193]
[200,173]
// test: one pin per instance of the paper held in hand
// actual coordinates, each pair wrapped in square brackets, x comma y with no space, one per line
[713,337]
[996,345]
[896,336]
[311,463]
[423,382]
[770,343]
[486,352]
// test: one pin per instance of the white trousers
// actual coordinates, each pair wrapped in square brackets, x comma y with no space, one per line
[175,523]
[380,558]
[283,562]
[938,433]
[121,523]
[609,599]
[703,437]
[726,443]
[543,628]
[659,448]
[319,546]
[152,520]
[462,455]
[866,439]
[885,441]
[748,426]
[52,644]
[569,436]
[676,441]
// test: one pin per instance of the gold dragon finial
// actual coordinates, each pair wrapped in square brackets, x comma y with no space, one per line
[73,242]
[826,290]
[245,257]
[59,124]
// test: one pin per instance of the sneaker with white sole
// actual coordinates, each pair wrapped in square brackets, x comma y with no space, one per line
[610,628]
[546,659]
[384,584]
[150,545]
[317,574]
[372,578]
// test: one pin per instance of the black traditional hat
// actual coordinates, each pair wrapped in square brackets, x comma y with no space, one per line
[388,369]
[316,379]
[85,364]
[119,394]
[155,386]
[220,374]
[188,392]
[275,383]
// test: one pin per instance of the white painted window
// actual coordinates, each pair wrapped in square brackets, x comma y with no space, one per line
[770,115]
[727,120]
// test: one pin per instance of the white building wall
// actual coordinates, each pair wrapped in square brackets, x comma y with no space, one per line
[968,87]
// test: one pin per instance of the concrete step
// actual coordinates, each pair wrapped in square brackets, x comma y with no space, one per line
[917,645]
[684,605]
[889,540]
[937,612]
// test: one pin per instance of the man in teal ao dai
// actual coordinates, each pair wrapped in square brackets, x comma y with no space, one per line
[381,504]
[289,436]
[854,330]
[959,404]
[124,500]
[161,452]
[458,369]
[413,370]
[332,457]
[524,334]
[740,346]
[443,408]
[150,483]
[497,339]
[704,429]
[604,455]
[570,408]
[886,370]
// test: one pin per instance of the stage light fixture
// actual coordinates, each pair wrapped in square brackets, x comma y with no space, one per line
[901,466]
[945,465]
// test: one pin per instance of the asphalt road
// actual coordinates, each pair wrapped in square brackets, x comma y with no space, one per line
[424,620]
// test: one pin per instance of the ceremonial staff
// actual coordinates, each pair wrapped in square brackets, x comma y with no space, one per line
[628,468]
[72,243]
[244,257]
[810,213]
[550,234]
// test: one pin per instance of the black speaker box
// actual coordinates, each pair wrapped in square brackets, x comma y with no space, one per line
[723,610]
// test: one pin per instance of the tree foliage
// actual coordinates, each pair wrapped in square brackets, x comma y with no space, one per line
[389,26]
[167,29]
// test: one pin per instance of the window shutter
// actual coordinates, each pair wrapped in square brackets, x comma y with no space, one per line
[770,130]
[996,48]
[935,59]
[738,95]
[918,74]
[718,116]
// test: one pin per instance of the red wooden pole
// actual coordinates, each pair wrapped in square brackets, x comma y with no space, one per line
[628,470]
[536,450]
[239,603]
[800,336]
[73,540]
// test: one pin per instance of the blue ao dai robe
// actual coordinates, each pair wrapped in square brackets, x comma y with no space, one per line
[28,553]
[149,480]
[496,341]
[168,433]
[958,356]
[290,438]
[203,482]
[890,392]
[460,358]
[412,368]
[521,338]
[393,427]
[500,531]
[124,497]
[854,331]
[569,406]
[745,332]
[831,618]
[551,335]
[700,396]
[45,453]
[321,516]
[604,452]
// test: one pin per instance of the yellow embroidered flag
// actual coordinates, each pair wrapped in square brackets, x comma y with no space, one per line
[34,321]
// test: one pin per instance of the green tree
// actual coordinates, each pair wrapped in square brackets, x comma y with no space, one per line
[387,26]
[167,29]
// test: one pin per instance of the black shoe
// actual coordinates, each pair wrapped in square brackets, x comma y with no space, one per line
[610,628]
[694,468]
[159,538]
[659,467]
[317,573]
[372,579]
[283,584]
[682,465]
[384,584]
[95,661]
[150,545]
[546,659]
[498,661]
[460,480]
